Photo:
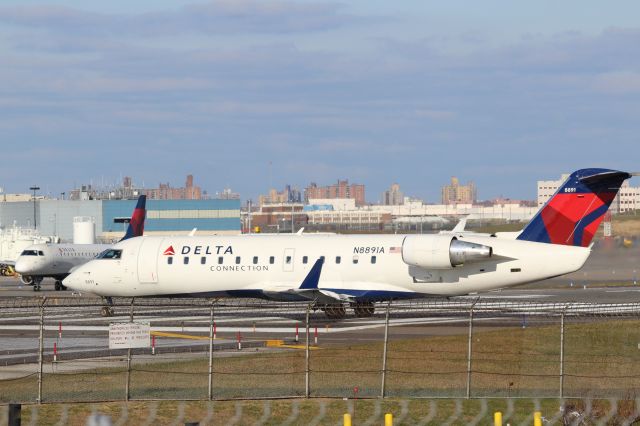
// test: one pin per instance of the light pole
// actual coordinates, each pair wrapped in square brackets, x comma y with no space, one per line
[34,189]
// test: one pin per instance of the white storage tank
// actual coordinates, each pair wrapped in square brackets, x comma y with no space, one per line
[84,230]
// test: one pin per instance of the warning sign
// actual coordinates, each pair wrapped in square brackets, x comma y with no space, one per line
[124,335]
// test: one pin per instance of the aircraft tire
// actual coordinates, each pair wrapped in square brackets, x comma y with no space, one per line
[335,311]
[364,309]
[58,285]
[106,311]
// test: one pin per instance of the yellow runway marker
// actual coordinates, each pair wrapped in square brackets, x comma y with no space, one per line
[178,335]
[269,343]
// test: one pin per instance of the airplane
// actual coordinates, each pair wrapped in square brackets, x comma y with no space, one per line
[56,260]
[336,271]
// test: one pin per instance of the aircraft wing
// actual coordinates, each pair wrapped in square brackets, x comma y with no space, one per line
[329,292]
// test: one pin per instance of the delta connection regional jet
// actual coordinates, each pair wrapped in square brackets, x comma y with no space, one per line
[336,271]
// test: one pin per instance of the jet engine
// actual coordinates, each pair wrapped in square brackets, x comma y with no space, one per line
[441,251]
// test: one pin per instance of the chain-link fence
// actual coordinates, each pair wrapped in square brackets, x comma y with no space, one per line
[56,350]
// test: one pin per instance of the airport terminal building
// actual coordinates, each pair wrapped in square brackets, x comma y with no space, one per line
[164,217]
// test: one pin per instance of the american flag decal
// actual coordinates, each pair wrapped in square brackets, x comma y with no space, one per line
[395,249]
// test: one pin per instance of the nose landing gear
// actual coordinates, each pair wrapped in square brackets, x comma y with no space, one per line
[37,281]
[107,310]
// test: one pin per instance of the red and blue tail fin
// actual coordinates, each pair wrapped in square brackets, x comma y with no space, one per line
[572,216]
[136,225]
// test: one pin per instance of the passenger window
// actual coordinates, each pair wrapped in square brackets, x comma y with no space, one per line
[288,259]
[255,260]
[186,260]
[272,260]
[338,259]
[170,260]
[220,260]
[237,260]
[203,260]
[305,259]
[373,259]
[355,260]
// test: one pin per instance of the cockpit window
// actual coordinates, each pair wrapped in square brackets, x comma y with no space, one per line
[110,254]
[40,253]
[29,253]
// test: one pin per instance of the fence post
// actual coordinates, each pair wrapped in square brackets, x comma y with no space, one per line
[128,384]
[210,388]
[469,349]
[41,350]
[307,385]
[562,354]
[384,351]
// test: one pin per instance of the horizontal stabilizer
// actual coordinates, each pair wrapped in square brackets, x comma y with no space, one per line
[460,225]
[605,178]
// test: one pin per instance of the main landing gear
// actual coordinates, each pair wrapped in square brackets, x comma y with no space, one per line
[339,311]
[59,286]
[363,309]
[107,310]
[334,311]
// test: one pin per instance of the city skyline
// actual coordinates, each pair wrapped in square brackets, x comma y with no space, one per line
[246,91]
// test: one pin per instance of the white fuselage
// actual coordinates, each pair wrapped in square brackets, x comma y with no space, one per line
[356,267]
[56,260]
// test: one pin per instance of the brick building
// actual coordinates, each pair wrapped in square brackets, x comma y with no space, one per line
[342,189]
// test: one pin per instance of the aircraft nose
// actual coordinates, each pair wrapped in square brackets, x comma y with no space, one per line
[22,266]
[74,281]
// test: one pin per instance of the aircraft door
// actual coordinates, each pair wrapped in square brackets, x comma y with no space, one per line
[287,259]
[148,260]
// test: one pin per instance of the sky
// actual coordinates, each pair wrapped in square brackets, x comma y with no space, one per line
[252,94]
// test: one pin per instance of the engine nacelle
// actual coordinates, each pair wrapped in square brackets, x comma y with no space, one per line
[441,251]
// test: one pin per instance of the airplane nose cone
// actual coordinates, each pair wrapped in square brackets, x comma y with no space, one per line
[22,267]
[73,281]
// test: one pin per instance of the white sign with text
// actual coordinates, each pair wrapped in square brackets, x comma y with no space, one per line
[124,335]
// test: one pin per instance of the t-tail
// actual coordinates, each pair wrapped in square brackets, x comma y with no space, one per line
[136,225]
[572,216]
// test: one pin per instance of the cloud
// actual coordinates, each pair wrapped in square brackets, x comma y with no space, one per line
[408,110]
[214,17]
[618,82]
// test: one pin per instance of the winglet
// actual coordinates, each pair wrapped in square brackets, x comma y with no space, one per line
[136,225]
[313,277]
